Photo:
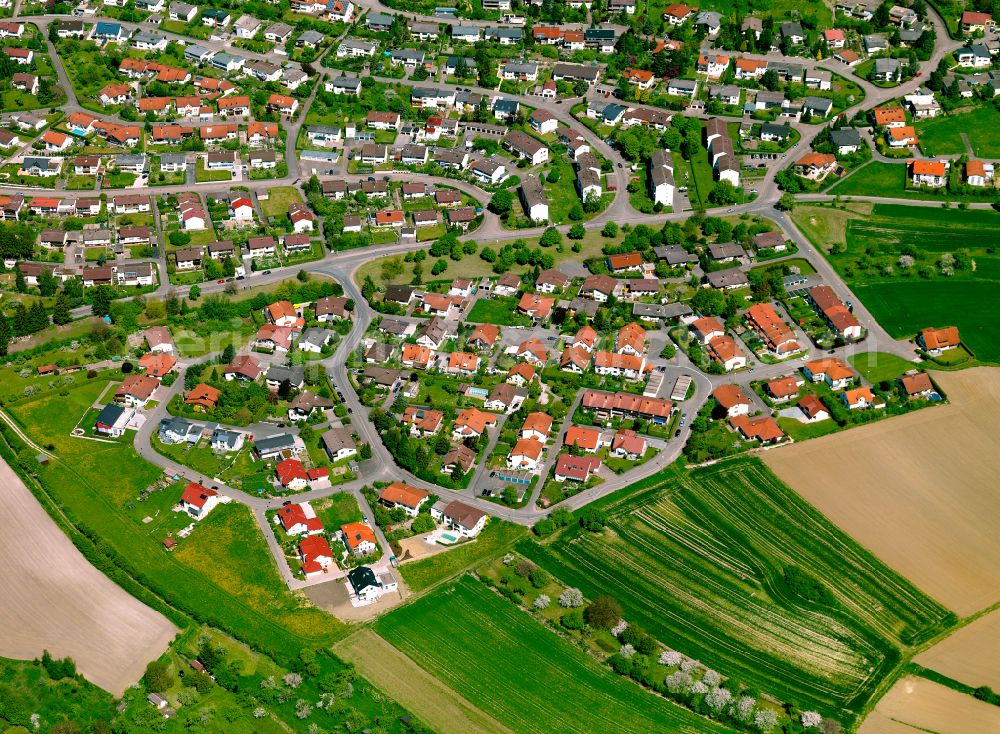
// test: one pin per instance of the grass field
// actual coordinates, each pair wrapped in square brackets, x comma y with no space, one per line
[905,300]
[699,560]
[932,520]
[511,667]
[495,538]
[497,310]
[222,571]
[826,225]
[942,135]
[878,178]
[879,366]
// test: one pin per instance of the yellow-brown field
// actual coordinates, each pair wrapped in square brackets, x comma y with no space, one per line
[970,654]
[54,599]
[919,705]
[920,491]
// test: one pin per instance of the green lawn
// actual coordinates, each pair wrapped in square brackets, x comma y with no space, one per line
[525,676]
[799,431]
[805,267]
[497,310]
[493,540]
[276,205]
[905,300]
[877,367]
[874,179]
[942,135]
[700,558]
[222,571]
[337,510]
[202,175]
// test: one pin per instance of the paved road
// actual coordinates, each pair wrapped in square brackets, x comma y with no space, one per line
[343,265]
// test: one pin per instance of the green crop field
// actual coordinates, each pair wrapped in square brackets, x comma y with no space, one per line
[700,559]
[522,674]
[905,300]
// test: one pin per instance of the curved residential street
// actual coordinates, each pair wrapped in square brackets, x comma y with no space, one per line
[343,265]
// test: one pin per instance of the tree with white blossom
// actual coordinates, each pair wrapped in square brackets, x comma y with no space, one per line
[718,698]
[259,712]
[765,720]
[670,658]
[711,678]
[292,680]
[627,651]
[541,602]
[620,626]
[678,682]
[689,664]
[743,708]
[906,261]
[698,688]
[571,598]
[811,719]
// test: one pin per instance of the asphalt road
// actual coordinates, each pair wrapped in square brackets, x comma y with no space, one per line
[343,265]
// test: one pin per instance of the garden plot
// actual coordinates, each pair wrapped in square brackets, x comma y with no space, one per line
[919,490]
[729,566]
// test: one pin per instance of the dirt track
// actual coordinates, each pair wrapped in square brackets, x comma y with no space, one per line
[54,599]
[919,490]
[916,705]
[969,655]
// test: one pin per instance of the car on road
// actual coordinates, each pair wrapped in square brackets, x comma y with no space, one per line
[677,433]
[730,210]
[350,410]
[241,277]
[266,272]
[221,280]
[619,165]
[286,503]
[832,351]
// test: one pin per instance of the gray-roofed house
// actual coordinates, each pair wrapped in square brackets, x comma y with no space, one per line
[727,279]
[277,374]
[846,140]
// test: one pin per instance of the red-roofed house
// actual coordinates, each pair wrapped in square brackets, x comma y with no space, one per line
[299,519]
[575,468]
[359,539]
[400,494]
[291,474]
[157,364]
[628,444]
[197,501]
[315,554]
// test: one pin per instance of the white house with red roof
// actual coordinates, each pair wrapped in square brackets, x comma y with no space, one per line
[575,468]
[291,474]
[299,519]
[197,501]
[315,554]
[359,539]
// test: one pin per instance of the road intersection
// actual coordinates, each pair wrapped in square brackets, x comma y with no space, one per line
[342,266]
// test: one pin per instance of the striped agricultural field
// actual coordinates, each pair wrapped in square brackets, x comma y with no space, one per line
[699,560]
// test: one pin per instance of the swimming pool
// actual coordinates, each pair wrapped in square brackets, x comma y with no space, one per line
[449,537]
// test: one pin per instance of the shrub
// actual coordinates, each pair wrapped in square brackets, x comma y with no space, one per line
[572,620]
